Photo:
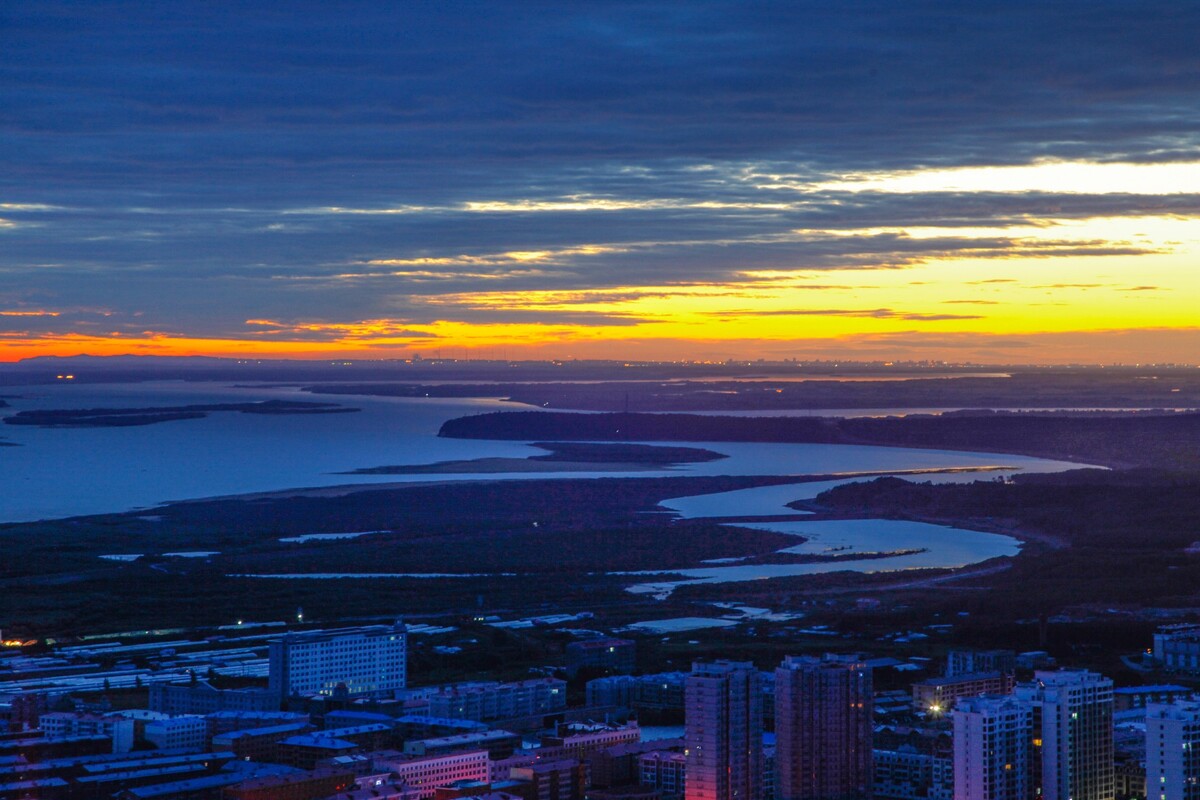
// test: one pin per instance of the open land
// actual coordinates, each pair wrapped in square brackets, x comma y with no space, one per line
[1074,599]
[557,535]
[546,546]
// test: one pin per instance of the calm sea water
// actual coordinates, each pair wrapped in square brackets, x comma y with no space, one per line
[59,472]
[70,471]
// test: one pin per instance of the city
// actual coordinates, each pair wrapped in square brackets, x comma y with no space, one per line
[606,400]
[336,713]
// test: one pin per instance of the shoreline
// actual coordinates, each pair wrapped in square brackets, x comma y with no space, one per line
[341,490]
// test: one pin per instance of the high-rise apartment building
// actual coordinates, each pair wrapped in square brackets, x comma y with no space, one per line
[1073,734]
[724,722]
[993,748]
[1173,751]
[367,661]
[823,728]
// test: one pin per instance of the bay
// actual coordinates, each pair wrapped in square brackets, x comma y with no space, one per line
[58,472]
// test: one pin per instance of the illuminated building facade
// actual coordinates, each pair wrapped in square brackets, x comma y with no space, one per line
[368,661]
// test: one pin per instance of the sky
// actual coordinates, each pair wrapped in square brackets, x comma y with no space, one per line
[996,181]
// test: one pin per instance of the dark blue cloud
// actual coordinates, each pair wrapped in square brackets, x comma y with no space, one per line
[190,149]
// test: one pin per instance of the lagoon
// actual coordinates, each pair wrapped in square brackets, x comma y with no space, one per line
[924,546]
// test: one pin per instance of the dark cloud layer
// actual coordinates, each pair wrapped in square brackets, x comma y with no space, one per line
[187,166]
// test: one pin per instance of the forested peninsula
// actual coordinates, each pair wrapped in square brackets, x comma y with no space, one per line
[1117,439]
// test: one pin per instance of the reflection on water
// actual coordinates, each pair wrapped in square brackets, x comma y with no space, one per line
[767,501]
[68,471]
[935,546]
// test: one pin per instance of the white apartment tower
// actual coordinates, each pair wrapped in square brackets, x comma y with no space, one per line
[724,722]
[1173,751]
[1073,730]
[367,661]
[993,748]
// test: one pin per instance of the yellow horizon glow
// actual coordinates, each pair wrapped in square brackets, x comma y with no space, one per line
[1051,176]
[1041,277]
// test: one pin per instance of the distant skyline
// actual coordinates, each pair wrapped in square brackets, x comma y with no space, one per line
[1006,182]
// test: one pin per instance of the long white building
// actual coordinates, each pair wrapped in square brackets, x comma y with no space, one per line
[366,661]
[488,701]
[427,773]
[64,724]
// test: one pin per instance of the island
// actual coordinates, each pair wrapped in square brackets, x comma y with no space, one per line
[127,417]
[562,457]
[1114,439]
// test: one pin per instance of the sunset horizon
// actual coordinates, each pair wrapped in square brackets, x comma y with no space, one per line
[996,185]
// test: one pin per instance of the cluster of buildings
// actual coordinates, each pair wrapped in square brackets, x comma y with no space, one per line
[338,721]
[1064,735]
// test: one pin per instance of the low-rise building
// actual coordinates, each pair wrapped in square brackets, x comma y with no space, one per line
[68,724]
[201,697]
[220,722]
[188,733]
[490,701]
[427,773]
[913,763]
[1177,648]
[499,744]
[938,695]
[658,692]
[613,655]
[577,740]
[259,744]
[970,662]
[298,786]
[308,750]
[665,770]
[564,779]
[1129,698]
[412,726]
[632,792]
[618,765]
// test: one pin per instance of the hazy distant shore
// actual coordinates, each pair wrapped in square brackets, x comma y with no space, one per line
[1168,440]
[131,417]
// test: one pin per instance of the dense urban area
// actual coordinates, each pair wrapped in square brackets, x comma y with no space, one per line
[268,710]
